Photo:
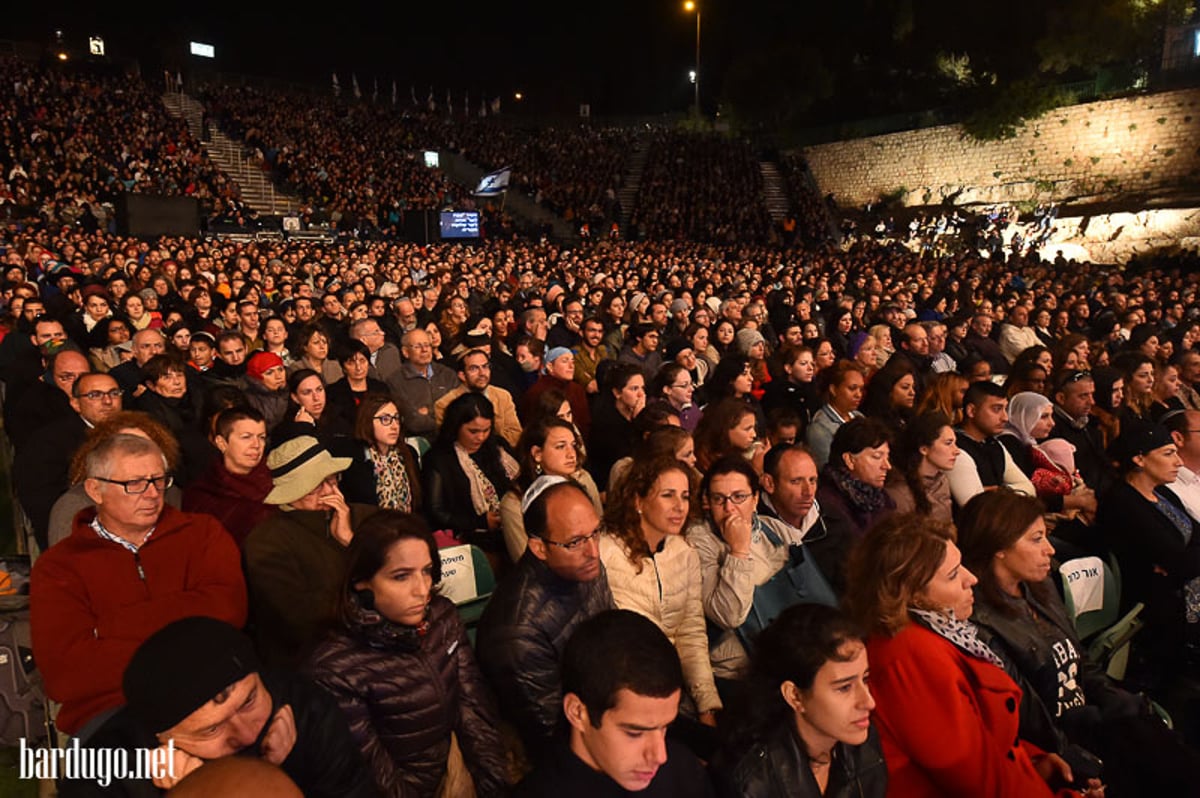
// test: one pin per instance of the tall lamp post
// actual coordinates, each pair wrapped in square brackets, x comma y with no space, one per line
[692,5]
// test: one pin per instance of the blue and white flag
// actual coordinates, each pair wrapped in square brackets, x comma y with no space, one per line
[495,183]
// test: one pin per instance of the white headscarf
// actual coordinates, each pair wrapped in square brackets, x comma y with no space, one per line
[1024,410]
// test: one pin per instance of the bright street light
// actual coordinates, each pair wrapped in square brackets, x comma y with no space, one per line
[689,6]
[692,75]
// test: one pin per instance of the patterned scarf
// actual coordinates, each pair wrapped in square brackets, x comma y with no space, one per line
[391,480]
[867,498]
[484,498]
[1177,517]
[963,634]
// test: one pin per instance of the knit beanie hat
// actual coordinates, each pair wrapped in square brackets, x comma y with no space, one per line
[747,338]
[182,667]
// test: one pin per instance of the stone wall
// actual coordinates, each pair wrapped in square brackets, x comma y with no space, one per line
[1095,151]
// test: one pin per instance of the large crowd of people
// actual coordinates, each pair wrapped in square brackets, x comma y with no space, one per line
[763,519]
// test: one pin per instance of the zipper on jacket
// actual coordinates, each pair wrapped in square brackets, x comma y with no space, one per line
[137,561]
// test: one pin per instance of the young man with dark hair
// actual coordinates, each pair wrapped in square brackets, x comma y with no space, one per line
[621,681]
[984,463]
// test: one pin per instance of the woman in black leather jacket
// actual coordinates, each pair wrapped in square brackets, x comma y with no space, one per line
[803,729]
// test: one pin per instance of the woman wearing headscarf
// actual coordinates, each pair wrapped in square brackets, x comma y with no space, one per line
[1030,419]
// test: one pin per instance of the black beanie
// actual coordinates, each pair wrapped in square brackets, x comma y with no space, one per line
[182,667]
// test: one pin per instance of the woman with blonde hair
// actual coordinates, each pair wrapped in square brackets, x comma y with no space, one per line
[652,569]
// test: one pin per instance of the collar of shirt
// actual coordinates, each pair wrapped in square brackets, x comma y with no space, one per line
[104,533]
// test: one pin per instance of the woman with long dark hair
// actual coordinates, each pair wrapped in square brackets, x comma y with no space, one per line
[401,667]
[549,446]
[1004,542]
[384,469]
[926,452]
[467,470]
[802,727]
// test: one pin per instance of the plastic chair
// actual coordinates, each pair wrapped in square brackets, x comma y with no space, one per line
[471,598]
[1104,631]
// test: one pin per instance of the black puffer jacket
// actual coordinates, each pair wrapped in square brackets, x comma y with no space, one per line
[403,693]
[777,767]
[521,638]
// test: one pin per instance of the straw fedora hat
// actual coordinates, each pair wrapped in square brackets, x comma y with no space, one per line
[299,465]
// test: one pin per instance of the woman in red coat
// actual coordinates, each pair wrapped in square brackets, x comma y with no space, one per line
[945,709]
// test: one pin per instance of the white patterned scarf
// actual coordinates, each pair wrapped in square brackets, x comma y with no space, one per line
[963,634]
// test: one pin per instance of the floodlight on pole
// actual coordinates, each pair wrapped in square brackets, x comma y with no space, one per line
[690,6]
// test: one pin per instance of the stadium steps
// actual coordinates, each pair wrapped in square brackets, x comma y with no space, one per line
[633,180]
[256,188]
[774,195]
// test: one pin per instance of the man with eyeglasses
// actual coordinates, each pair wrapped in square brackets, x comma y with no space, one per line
[1074,398]
[385,356]
[475,374]
[1184,426]
[420,383]
[555,586]
[40,472]
[131,565]
[568,331]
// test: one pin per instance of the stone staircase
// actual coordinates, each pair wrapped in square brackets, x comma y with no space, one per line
[633,181]
[256,188]
[774,195]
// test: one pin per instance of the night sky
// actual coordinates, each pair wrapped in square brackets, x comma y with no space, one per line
[621,56]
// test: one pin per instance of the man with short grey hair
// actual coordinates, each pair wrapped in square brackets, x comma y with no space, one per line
[385,357]
[419,383]
[131,565]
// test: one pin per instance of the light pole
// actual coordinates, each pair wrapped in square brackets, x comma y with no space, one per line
[692,5]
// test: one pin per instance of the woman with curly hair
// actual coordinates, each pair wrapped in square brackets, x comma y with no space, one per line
[652,570]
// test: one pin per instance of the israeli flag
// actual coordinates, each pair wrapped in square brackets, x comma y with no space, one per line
[494,183]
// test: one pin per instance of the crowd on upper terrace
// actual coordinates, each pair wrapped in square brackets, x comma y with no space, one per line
[701,187]
[70,144]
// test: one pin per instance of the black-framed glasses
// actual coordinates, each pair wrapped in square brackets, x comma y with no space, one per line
[739,498]
[572,545]
[96,396]
[388,419]
[136,487]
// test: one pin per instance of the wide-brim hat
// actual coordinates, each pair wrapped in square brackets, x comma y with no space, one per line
[298,466]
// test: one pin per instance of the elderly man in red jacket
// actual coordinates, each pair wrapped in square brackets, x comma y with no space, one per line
[131,566]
